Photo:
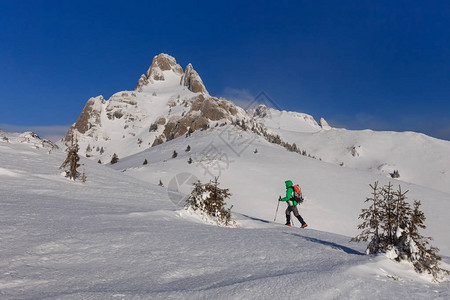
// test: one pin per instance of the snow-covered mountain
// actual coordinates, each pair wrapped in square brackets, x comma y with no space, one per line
[169,103]
[29,138]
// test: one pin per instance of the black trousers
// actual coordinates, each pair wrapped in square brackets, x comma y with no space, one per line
[295,211]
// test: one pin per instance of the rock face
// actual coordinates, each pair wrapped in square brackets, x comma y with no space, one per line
[160,63]
[89,117]
[203,111]
[324,124]
[192,81]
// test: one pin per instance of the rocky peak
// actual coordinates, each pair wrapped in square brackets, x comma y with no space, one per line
[324,124]
[192,81]
[161,62]
[261,111]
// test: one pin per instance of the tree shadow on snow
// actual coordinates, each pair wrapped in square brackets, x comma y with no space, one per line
[256,219]
[330,244]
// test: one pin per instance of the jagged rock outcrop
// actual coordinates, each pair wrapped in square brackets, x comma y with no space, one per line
[261,111]
[89,117]
[192,81]
[203,110]
[160,63]
[324,124]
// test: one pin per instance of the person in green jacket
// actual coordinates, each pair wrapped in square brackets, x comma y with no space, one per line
[292,204]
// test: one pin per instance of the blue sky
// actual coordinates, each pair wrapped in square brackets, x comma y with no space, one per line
[383,65]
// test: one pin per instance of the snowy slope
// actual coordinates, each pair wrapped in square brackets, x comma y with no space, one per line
[334,195]
[116,237]
[420,159]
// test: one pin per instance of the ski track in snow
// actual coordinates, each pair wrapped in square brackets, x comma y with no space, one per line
[116,237]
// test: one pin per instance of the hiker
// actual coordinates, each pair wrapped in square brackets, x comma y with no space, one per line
[292,204]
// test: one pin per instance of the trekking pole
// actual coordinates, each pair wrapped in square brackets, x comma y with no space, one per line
[276,212]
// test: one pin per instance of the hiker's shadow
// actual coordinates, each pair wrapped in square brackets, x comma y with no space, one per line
[330,244]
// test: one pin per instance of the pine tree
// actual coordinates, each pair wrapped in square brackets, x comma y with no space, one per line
[114,159]
[395,174]
[210,199]
[188,148]
[371,225]
[174,154]
[389,218]
[400,226]
[195,200]
[423,256]
[72,160]
[145,162]
[190,160]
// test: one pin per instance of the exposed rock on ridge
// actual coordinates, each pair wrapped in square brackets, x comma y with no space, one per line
[89,117]
[192,81]
[160,63]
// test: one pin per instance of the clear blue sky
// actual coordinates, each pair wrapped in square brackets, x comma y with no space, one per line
[383,65]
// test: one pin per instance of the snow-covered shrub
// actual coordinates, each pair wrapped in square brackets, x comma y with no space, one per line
[392,227]
[209,199]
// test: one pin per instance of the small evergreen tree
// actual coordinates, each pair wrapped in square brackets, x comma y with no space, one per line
[210,199]
[83,176]
[174,154]
[188,148]
[190,160]
[190,131]
[114,159]
[99,161]
[423,256]
[72,160]
[160,183]
[388,216]
[371,225]
[392,226]
[153,127]
[145,162]
[395,174]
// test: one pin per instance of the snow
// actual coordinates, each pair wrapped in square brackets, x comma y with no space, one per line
[118,237]
[332,193]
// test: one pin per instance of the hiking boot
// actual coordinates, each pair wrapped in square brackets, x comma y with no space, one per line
[304,225]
